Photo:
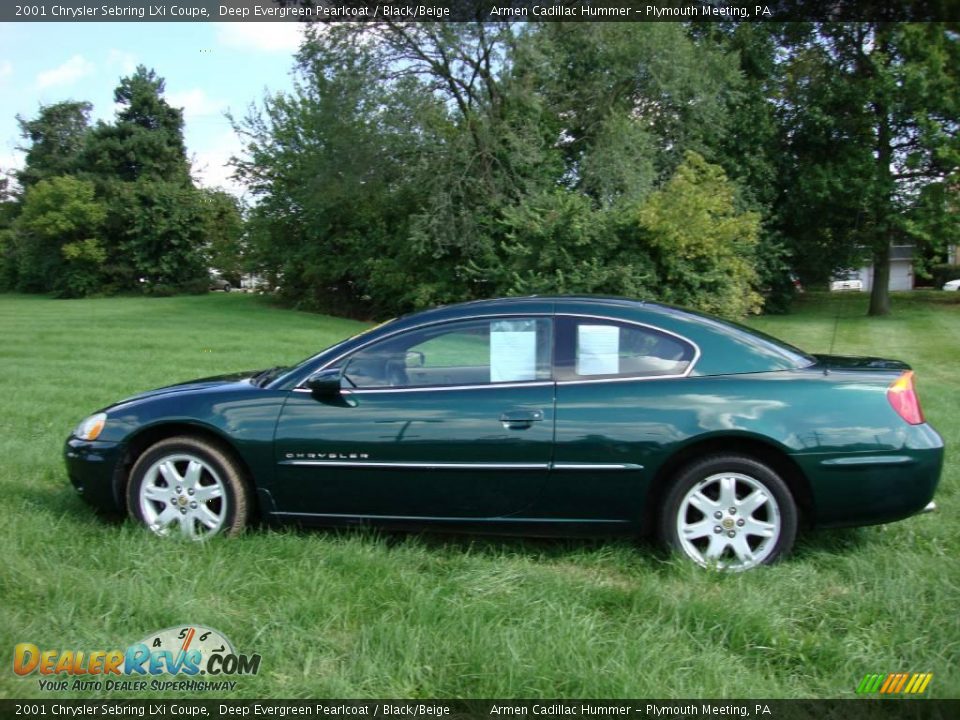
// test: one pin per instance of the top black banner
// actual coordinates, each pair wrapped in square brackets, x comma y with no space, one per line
[481,10]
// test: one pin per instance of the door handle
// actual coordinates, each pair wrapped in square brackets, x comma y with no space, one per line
[520,419]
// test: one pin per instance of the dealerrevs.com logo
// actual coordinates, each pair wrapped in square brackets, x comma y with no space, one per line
[186,650]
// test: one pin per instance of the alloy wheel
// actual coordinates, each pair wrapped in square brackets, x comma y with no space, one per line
[728,520]
[182,491]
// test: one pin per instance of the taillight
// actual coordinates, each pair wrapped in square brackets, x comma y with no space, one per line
[903,398]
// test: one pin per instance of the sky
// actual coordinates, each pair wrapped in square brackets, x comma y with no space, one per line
[209,68]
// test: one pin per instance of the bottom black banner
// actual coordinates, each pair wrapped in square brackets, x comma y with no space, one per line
[854,709]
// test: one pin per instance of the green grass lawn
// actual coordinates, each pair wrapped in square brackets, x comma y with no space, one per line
[365,615]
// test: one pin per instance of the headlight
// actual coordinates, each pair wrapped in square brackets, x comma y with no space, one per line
[91,428]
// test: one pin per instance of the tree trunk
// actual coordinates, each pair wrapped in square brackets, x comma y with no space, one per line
[880,290]
[883,210]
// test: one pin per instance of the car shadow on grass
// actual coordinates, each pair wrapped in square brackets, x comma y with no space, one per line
[642,553]
[834,542]
[649,554]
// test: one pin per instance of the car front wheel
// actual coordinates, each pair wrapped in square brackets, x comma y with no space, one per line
[188,486]
[730,512]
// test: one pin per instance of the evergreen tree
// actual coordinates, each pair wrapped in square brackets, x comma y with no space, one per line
[56,139]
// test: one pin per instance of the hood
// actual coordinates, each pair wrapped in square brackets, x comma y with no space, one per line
[199,384]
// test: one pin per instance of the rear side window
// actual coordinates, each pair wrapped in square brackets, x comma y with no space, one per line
[591,348]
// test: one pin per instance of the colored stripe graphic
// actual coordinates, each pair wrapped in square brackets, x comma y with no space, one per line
[893,683]
[870,683]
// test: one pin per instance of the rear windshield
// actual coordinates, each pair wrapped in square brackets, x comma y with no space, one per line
[758,352]
[797,356]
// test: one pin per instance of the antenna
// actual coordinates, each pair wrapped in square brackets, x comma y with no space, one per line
[833,339]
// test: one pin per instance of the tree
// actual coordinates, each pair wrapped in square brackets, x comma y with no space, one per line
[131,217]
[424,164]
[164,239]
[146,139]
[702,246]
[223,233]
[57,136]
[630,99]
[9,208]
[154,230]
[57,236]
[875,108]
[340,167]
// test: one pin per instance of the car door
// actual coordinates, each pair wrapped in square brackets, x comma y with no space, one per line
[615,382]
[452,420]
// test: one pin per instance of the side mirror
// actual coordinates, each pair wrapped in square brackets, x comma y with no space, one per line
[325,383]
[414,359]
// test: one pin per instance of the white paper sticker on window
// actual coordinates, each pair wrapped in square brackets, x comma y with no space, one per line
[513,350]
[598,350]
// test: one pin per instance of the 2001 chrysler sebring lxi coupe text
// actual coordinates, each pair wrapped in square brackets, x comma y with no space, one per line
[536,415]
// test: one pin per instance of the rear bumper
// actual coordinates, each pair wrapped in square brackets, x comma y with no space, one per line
[867,488]
[92,468]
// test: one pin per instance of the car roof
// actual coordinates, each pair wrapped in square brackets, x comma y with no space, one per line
[725,347]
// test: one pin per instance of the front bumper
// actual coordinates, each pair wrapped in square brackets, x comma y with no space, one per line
[93,470]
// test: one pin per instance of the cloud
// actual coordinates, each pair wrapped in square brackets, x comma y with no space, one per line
[124,61]
[6,69]
[210,166]
[265,36]
[11,161]
[195,103]
[71,71]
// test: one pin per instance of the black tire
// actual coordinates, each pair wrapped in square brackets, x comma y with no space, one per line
[186,483]
[747,537]
[226,287]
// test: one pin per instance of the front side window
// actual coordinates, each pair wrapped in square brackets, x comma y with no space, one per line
[475,352]
[597,348]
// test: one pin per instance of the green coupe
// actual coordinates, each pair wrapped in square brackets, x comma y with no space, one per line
[538,415]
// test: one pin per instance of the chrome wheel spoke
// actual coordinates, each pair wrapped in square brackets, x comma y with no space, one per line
[188,526]
[156,494]
[207,517]
[167,517]
[161,524]
[728,491]
[192,476]
[170,474]
[754,500]
[718,544]
[702,503]
[742,550]
[700,529]
[207,492]
[759,528]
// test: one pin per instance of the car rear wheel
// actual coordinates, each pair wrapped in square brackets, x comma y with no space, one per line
[730,512]
[188,486]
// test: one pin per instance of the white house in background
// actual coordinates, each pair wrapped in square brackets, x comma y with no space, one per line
[901,269]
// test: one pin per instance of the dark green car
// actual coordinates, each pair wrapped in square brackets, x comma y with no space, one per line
[540,415]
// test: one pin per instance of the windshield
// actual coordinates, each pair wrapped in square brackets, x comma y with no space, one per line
[333,347]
